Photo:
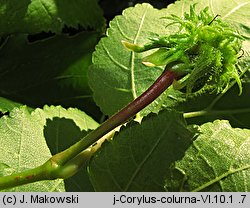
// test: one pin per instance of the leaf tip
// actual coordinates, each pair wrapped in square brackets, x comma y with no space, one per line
[126,44]
[147,63]
[132,46]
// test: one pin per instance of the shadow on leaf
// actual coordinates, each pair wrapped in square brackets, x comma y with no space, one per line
[61,133]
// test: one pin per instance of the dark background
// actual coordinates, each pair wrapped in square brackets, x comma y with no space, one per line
[110,9]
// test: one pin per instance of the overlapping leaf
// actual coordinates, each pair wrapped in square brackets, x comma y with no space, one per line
[137,158]
[218,160]
[230,106]
[52,71]
[118,76]
[34,16]
[23,137]
[7,105]
[234,12]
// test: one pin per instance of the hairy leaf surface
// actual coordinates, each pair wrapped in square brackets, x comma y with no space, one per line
[138,156]
[23,137]
[226,106]
[118,76]
[218,160]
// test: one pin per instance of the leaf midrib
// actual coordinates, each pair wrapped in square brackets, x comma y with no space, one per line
[218,178]
[235,9]
[133,88]
[139,167]
[226,174]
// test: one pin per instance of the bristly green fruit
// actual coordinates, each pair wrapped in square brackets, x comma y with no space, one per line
[204,51]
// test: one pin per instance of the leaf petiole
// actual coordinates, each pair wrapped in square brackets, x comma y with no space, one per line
[155,90]
[69,161]
[214,112]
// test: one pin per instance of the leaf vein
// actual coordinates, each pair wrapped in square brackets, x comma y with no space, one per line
[133,54]
[111,174]
[113,59]
[46,9]
[217,179]
[146,158]
[20,146]
[121,31]
[235,9]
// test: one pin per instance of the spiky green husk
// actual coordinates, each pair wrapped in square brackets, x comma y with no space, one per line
[204,50]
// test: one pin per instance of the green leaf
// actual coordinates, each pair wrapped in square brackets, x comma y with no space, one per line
[23,137]
[52,71]
[7,105]
[48,15]
[226,106]
[80,182]
[138,156]
[230,107]
[62,132]
[218,160]
[118,76]
[234,12]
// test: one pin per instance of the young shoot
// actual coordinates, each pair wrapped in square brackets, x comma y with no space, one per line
[204,51]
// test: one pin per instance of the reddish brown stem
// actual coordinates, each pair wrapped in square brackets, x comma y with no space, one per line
[157,88]
[154,91]
[64,164]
